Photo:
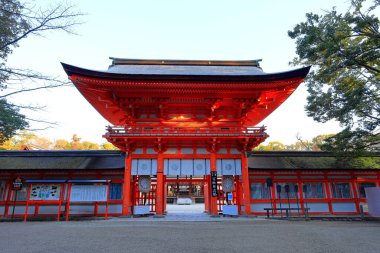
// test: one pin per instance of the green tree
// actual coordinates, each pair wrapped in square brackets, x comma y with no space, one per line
[300,145]
[314,145]
[271,146]
[61,144]
[76,143]
[343,85]
[20,20]
[108,146]
[26,139]
[87,145]
[10,120]
[32,141]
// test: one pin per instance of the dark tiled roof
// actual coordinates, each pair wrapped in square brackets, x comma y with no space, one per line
[184,67]
[186,72]
[61,160]
[308,160]
[82,160]
[126,61]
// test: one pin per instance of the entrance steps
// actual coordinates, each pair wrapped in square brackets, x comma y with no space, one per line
[187,216]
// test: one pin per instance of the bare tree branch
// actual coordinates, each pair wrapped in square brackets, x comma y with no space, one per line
[31,89]
[42,121]
[18,21]
[29,107]
[58,18]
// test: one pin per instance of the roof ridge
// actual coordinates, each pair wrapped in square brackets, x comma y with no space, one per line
[126,61]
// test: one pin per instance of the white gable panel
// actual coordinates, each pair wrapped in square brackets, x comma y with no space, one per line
[144,166]
[199,167]
[187,167]
[219,166]
[166,166]
[154,167]
[174,166]
[238,167]
[228,167]
[134,167]
[207,167]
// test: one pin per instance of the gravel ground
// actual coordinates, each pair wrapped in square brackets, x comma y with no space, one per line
[215,235]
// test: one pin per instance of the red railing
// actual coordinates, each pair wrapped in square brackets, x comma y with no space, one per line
[114,131]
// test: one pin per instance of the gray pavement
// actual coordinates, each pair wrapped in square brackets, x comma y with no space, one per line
[191,235]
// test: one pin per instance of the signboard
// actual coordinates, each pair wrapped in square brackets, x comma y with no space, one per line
[214,184]
[45,192]
[83,193]
[17,184]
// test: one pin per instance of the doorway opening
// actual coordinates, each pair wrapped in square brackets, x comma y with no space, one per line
[185,194]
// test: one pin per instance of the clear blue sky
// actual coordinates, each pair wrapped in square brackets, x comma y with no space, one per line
[231,30]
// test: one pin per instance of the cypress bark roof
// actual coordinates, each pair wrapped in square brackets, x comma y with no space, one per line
[61,160]
[82,160]
[309,160]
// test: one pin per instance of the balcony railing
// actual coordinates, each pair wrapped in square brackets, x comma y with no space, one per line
[122,131]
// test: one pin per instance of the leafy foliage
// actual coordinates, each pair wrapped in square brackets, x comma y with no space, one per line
[301,145]
[11,25]
[344,83]
[32,141]
[20,20]
[10,120]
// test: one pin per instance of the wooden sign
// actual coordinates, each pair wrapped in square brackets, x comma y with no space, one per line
[17,184]
[214,184]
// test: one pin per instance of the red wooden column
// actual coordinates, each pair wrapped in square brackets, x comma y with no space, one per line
[245,182]
[213,200]
[237,193]
[27,202]
[160,185]
[68,199]
[165,194]
[355,192]
[127,185]
[206,193]
[328,193]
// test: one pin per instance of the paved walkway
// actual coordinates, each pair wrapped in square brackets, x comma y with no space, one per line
[161,235]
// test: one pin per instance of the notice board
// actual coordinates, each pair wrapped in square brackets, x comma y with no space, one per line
[45,192]
[90,193]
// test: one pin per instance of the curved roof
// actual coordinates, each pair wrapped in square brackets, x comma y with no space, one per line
[222,92]
[194,71]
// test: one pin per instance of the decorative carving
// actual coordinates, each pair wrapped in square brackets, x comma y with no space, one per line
[213,145]
[161,145]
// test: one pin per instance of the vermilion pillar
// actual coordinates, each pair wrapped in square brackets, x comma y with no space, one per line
[213,200]
[328,193]
[160,185]
[127,185]
[356,197]
[206,193]
[245,178]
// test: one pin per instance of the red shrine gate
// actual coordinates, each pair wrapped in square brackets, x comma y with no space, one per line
[185,120]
